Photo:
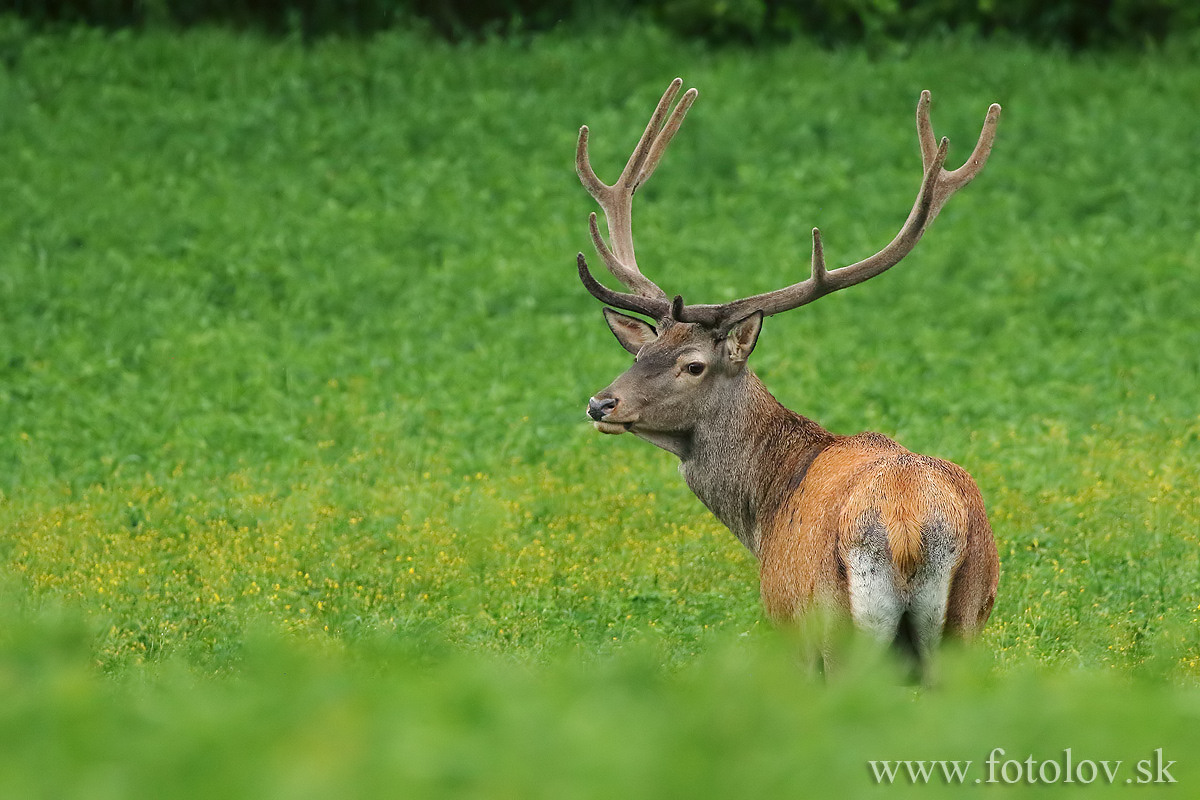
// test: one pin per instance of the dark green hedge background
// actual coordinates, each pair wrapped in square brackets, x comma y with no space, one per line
[1078,23]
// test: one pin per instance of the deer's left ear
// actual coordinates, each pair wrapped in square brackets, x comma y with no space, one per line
[740,341]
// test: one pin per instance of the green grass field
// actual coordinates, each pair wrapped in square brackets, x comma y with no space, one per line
[297,498]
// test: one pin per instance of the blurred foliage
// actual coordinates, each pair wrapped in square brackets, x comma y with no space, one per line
[393,717]
[1077,23]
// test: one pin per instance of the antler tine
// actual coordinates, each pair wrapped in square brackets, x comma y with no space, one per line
[664,136]
[655,307]
[633,279]
[937,186]
[617,202]
[950,181]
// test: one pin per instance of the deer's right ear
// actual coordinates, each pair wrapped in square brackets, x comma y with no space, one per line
[742,337]
[631,332]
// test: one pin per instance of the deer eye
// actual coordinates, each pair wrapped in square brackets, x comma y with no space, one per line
[696,367]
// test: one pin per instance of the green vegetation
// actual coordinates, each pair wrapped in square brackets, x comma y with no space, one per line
[1076,23]
[386,722]
[294,474]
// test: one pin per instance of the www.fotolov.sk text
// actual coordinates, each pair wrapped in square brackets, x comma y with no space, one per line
[998,768]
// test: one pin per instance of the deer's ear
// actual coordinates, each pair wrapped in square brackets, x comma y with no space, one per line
[631,332]
[740,341]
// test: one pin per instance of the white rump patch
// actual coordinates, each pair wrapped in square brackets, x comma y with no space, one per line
[879,597]
[929,588]
[876,604]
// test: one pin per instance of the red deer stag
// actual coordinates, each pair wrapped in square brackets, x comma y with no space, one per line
[858,525]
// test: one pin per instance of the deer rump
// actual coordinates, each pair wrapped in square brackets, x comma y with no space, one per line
[891,538]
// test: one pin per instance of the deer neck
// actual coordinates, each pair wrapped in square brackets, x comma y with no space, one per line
[743,456]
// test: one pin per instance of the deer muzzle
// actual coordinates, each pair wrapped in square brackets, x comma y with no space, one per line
[600,407]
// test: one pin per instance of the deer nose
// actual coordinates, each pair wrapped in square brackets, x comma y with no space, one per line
[598,408]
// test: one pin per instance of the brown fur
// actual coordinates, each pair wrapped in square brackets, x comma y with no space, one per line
[799,497]
[869,476]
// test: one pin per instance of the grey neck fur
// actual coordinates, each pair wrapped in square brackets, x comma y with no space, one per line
[743,453]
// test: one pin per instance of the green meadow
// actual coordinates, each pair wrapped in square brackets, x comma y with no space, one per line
[298,499]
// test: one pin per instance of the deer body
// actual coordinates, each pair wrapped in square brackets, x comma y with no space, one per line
[896,541]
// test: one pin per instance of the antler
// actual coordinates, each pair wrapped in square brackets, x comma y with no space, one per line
[937,186]
[617,202]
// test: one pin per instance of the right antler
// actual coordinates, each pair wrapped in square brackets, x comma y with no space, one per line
[617,203]
[937,186]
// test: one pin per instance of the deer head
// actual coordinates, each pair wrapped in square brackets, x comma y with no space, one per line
[691,359]
[683,372]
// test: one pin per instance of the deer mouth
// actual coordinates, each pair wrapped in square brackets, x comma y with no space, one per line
[613,428]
